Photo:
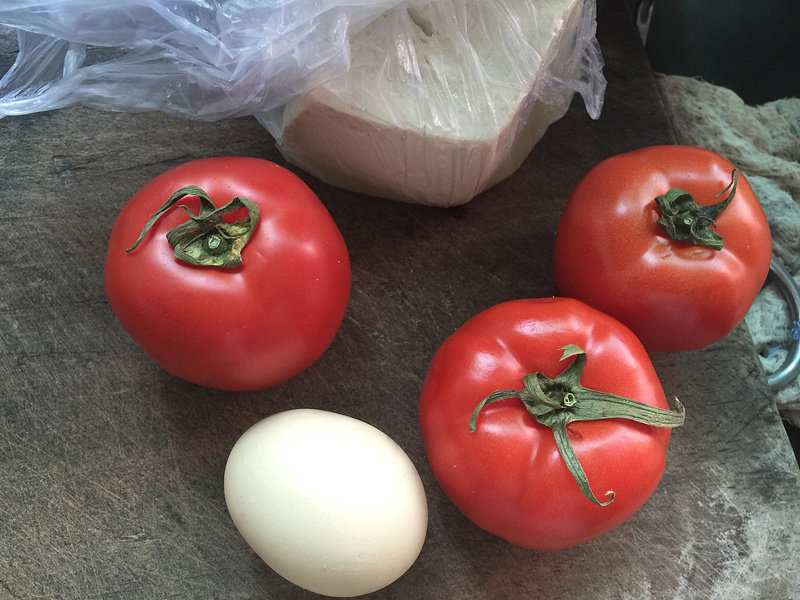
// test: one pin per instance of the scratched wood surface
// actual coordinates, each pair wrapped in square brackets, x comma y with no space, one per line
[111,470]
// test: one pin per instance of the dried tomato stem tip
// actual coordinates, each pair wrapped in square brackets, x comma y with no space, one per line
[206,239]
[685,221]
[556,402]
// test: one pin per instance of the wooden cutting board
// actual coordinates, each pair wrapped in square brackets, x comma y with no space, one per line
[111,470]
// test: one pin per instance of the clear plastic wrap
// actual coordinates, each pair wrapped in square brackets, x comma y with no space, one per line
[200,59]
[428,101]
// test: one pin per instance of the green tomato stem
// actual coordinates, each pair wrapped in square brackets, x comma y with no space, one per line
[686,221]
[556,402]
[206,239]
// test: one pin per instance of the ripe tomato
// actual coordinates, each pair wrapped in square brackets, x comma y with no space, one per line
[612,253]
[509,476]
[241,327]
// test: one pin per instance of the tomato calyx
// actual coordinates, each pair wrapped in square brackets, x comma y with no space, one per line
[686,221]
[557,401]
[206,239]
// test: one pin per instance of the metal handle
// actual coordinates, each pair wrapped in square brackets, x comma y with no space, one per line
[788,287]
[644,14]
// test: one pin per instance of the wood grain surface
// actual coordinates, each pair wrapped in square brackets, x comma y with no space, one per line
[111,470]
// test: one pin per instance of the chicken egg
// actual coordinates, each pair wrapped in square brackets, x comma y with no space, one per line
[329,502]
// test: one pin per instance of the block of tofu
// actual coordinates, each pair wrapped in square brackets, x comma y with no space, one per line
[442,99]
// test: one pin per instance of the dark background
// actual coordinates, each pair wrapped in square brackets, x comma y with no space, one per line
[749,46]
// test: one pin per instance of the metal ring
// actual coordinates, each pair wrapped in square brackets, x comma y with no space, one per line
[791,293]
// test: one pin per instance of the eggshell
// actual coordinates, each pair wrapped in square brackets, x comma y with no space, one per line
[327,501]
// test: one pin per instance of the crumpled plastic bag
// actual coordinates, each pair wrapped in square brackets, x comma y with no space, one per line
[460,77]
[200,59]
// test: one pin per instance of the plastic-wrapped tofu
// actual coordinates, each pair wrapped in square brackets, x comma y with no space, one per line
[443,99]
[426,101]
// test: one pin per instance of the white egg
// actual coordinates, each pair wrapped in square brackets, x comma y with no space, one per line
[327,501]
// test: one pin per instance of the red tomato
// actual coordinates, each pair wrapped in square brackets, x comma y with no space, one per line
[242,328]
[508,476]
[611,252]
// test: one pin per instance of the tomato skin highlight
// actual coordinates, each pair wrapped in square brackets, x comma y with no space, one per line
[611,253]
[246,328]
[508,477]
